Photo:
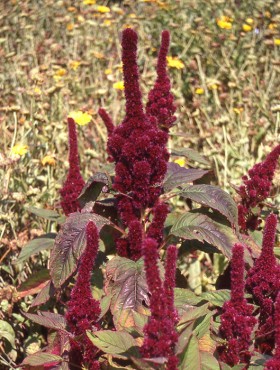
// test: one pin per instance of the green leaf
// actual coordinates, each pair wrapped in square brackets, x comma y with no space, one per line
[47,319]
[202,325]
[114,342]
[7,332]
[70,244]
[208,361]
[191,154]
[217,297]
[192,314]
[93,188]
[34,283]
[203,228]
[48,214]
[35,246]
[127,286]
[41,358]
[179,176]
[213,197]
[191,358]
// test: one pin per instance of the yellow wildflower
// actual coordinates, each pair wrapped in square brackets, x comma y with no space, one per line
[249,20]
[74,64]
[72,9]
[61,72]
[103,9]
[37,90]
[224,22]
[180,161]
[267,14]
[238,110]
[118,85]
[70,27]
[246,27]
[98,55]
[19,149]
[213,87]
[107,22]
[199,91]
[80,117]
[276,42]
[108,71]
[48,159]
[272,26]
[89,2]
[174,62]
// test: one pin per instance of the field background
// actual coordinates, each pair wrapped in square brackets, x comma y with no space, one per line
[63,56]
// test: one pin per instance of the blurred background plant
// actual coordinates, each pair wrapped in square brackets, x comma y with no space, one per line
[64,56]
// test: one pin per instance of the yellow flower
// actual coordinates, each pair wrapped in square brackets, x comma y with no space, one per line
[89,2]
[74,64]
[180,161]
[199,91]
[174,62]
[250,20]
[118,85]
[267,14]
[108,71]
[103,9]
[272,26]
[48,159]
[70,27]
[213,87]
[276,42]
[80,117]
[98,55]
[37,90]
[238,110]
[224,22]
[19,149]
[246,27]
[107,22]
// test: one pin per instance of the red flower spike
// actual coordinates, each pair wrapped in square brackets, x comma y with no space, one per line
[83,311]
[274,363]
[130,73]
[263,282]
[160,336]
[160,104]
[107,120]
[256,189]
[74,182]
[169,282]
[155,230]
[237,321]
[135,239]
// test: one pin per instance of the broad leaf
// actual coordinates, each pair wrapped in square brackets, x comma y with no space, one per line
[208,361]
[7,332]
[35,283]
[35,246]
[191,154]
[202,325]
[179,176]
[94,186]
[70,244]
[45,294]
[217,297]
[213,197]
[48,319]
[41,358]
[114,342]
[192,314]
[128,288]
[48,214]
[184,299]
[191,358]
[197,226]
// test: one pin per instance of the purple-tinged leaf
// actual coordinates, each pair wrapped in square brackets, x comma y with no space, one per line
[191,154]
[126,283]
[34,283]
[70,244]
[197,226]
[47,319]
[42,358]
[44,295]
[180,176]
[94,186]
[213,197]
